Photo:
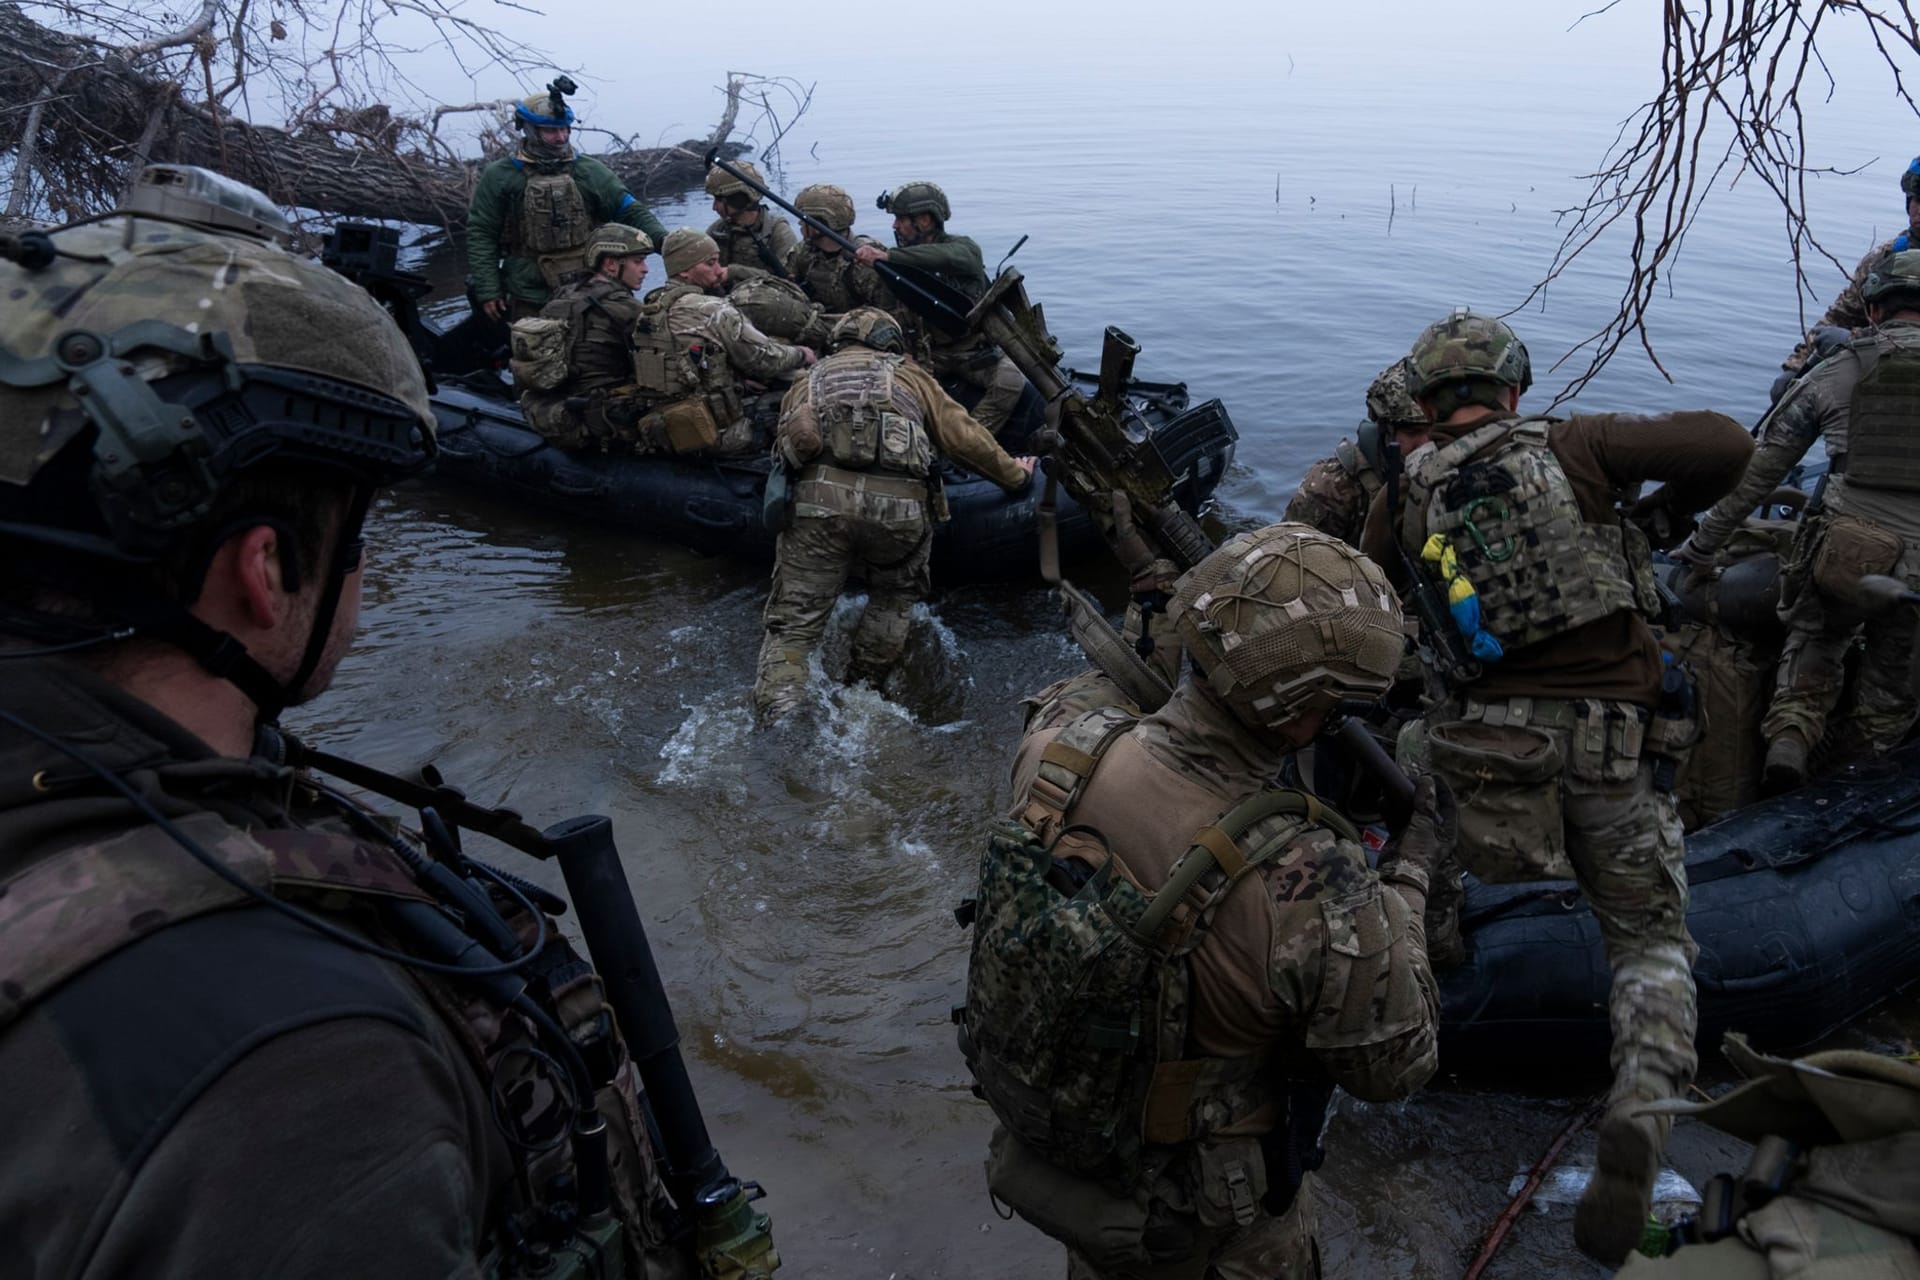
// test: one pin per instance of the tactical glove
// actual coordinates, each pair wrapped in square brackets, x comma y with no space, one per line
[1429,835]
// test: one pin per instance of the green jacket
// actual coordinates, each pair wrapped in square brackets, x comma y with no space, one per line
[494,216]
[955,259]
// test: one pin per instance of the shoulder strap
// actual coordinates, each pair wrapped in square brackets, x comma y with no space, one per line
[1067,763]
[75,908]
[1218,845]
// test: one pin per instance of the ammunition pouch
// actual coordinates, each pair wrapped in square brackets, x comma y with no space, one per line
[1109,1230]
[1506,787]
[685,426]
[560,269]
[1848,549]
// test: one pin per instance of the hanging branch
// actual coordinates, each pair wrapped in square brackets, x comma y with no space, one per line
[1729,106]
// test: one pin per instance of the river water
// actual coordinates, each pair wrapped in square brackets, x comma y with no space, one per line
[1274,221]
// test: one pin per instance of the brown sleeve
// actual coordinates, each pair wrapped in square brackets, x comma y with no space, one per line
[959,437]
[1698,454]
[303,1160]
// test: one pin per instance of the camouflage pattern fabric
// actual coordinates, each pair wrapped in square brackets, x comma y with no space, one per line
[1333,499]
[1623,840]
[781,310]
[838,283]
[1502,500]
[843,522]
[997,378]
[705,319]
[1848,310]
[1466,347]
[601,315]
[1390,402]
[759,249]
[1812,672]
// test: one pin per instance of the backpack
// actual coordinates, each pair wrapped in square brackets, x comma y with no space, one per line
[541,350]
[1075,1023]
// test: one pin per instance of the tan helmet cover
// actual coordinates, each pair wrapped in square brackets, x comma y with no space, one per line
[615,240]
[831,204]
[276,309]
[687,247]
[722,183]
[870,327]
[1285,620]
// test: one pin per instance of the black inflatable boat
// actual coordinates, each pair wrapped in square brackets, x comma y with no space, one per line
[714,504]
[1806,909]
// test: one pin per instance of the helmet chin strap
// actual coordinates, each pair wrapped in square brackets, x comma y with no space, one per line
[221,655]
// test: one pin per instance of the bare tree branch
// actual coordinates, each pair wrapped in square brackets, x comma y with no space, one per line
[1741,70]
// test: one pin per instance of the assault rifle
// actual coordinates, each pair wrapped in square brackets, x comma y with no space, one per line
[1451,657]
[718,1226]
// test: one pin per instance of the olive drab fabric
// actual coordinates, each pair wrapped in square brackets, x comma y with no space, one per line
[761,249]
[587,330]
[554,225]
[837,282]
[663,368]
[1502,501]
[1883,418]
[867,419]
[685,247]
[919,197]
[1832,1191]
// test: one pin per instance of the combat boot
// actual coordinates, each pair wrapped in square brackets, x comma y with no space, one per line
[1786,764]
[1612,1214]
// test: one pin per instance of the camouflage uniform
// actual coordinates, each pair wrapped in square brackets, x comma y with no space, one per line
[597,403]
[1859,529]
[1848,309]
[1552,748]
[840,284]
[1336,492]
[872,514]
[700,319]
[970,361]
[1310,974]
[1833,1188]
[761,249]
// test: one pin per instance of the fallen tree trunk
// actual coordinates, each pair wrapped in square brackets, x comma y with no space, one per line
[92,114]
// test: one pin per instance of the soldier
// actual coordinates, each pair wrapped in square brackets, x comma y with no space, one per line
[752,239]
[1560,730]
[531,214]
[1865,521]
[693,351]
[833,278]
[1174,965]
[1833,1188]
[226,1050]
[1849,309]
[1335,493]
[863,434]
[573,365]
[920,212]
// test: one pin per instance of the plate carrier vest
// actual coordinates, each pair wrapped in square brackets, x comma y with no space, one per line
[554,226]
[1883,421]
[868,420]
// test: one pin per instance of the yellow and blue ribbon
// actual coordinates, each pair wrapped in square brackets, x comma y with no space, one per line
[1463,602]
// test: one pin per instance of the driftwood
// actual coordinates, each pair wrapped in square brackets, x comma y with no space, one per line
[80,116]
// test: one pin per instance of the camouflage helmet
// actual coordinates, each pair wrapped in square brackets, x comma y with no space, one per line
[1465,347]
[687,247]
[1388,401]
[916,197]
[870,327]
[831,204]
[544,111]
[1285,621]
[615,240]
[722,183]
[1910,180]
[136,392]
[190,194]
[1893,277]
